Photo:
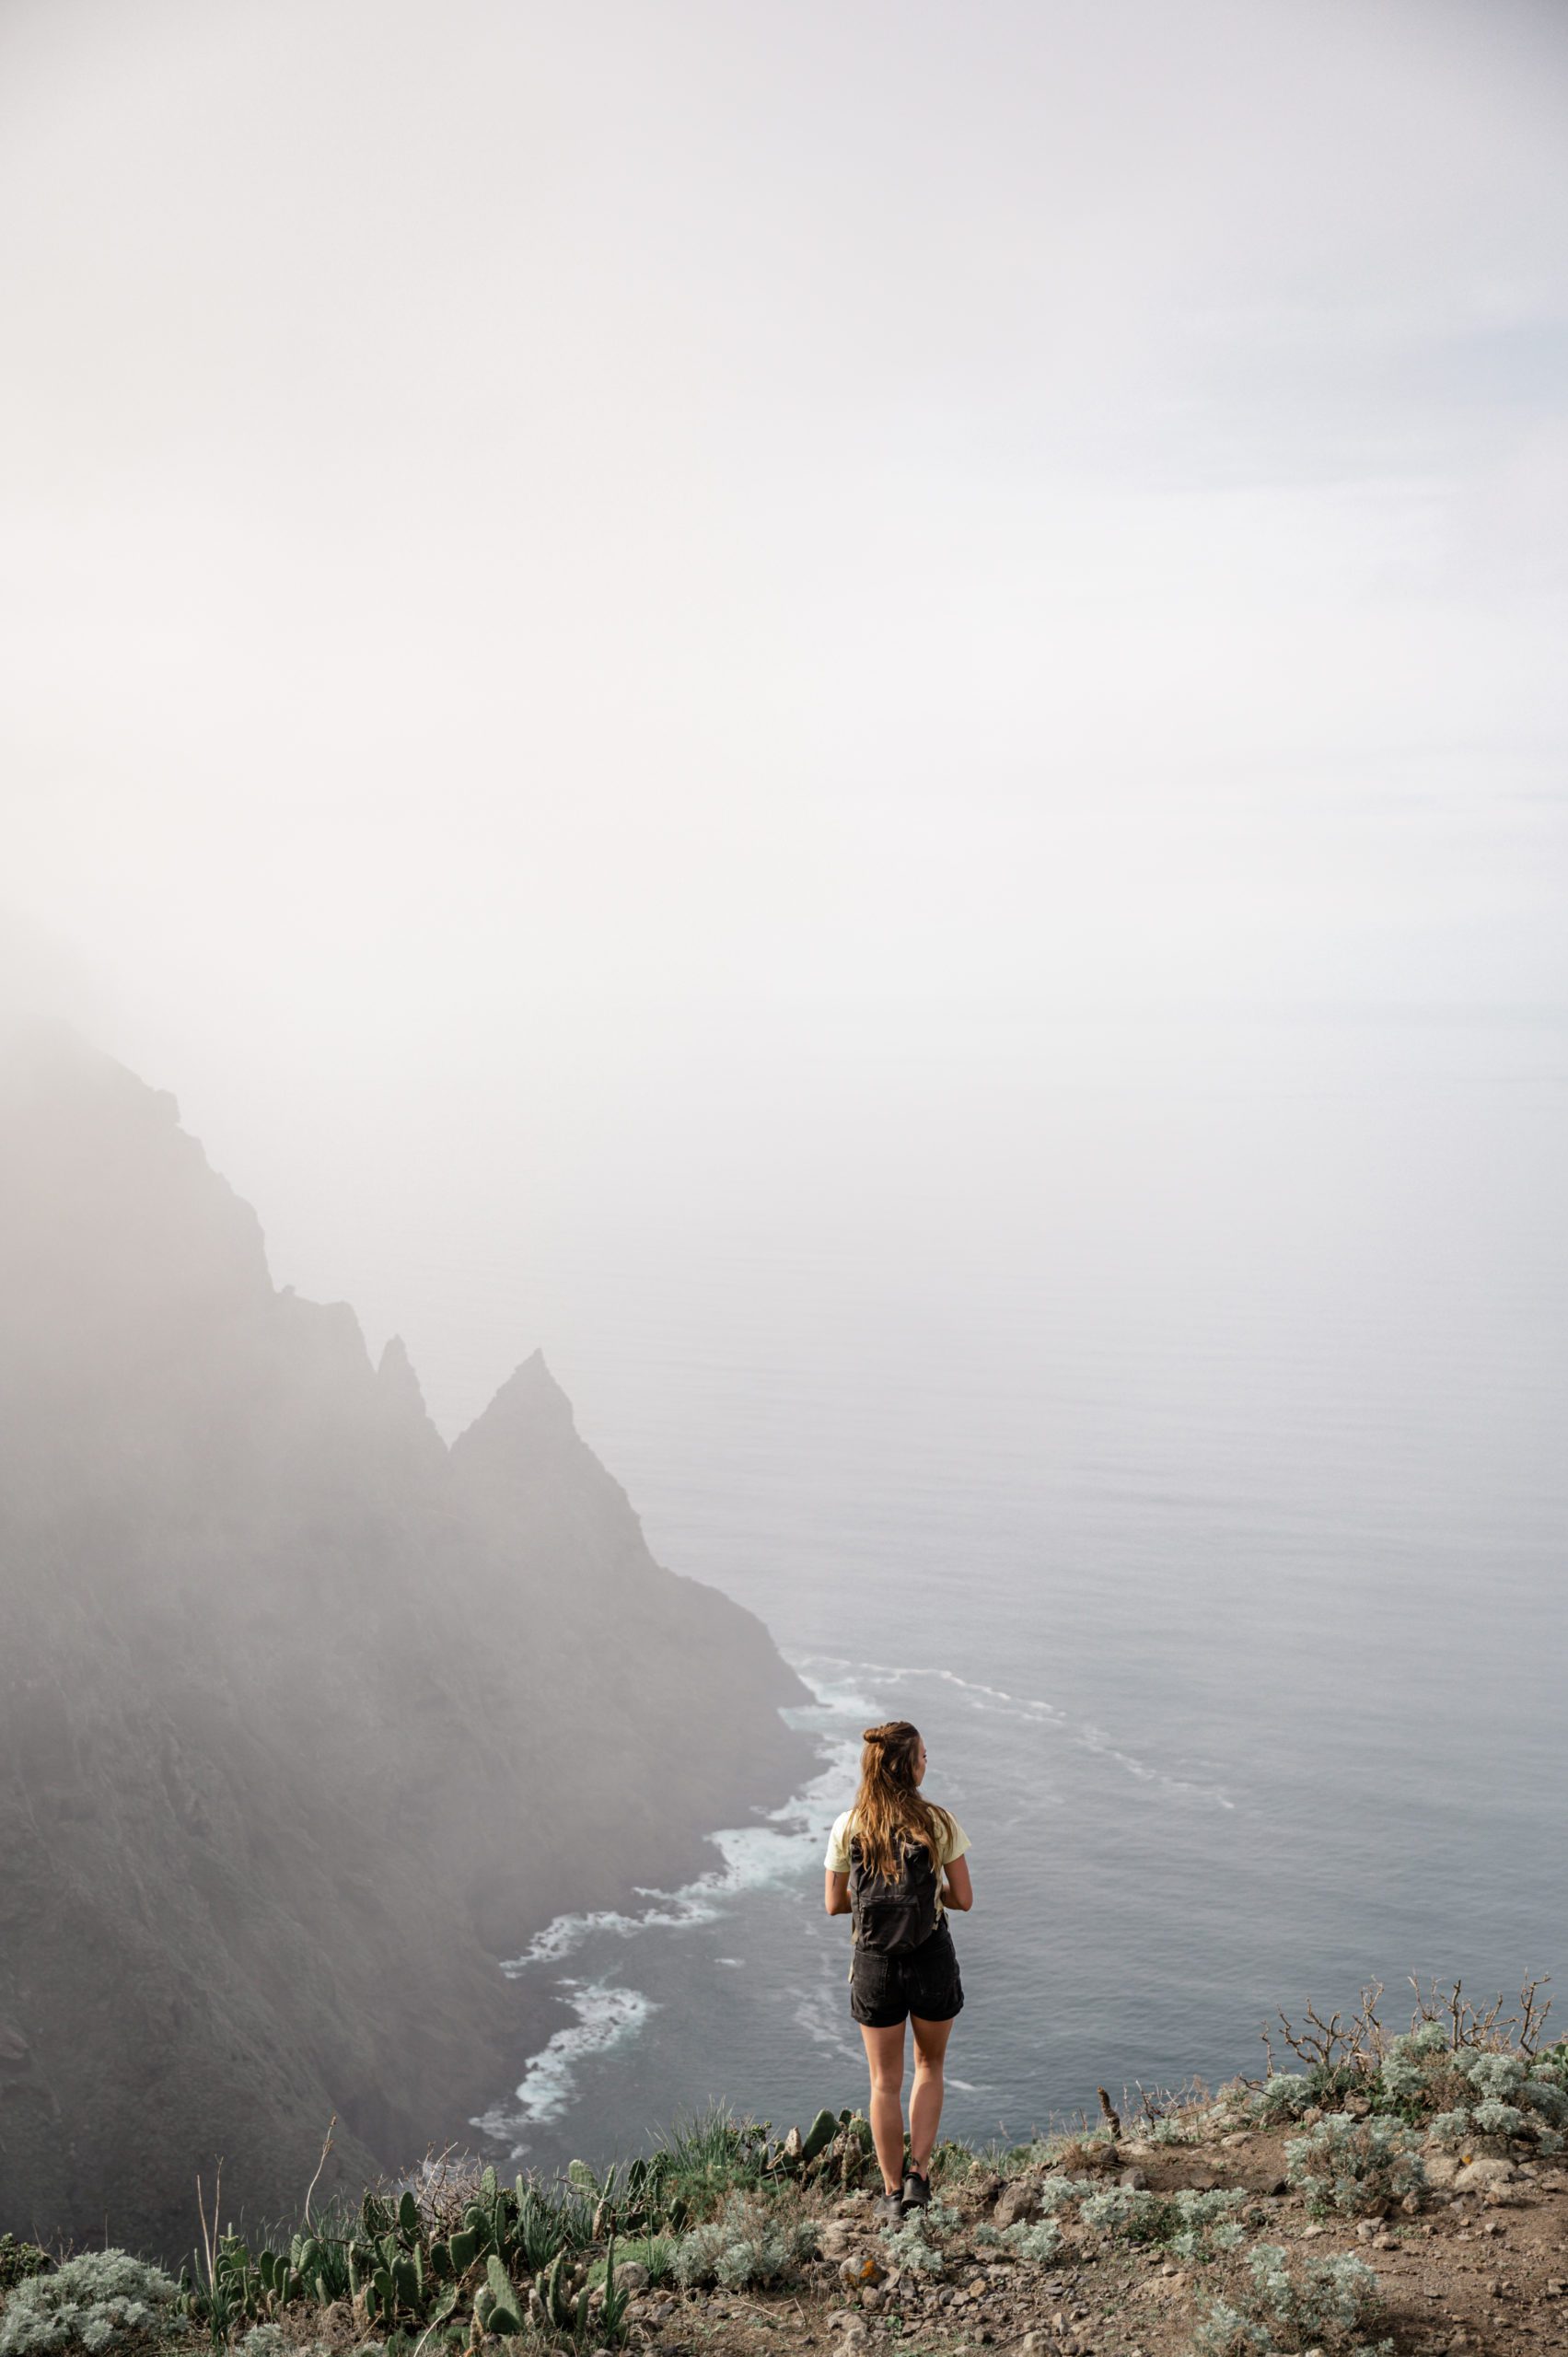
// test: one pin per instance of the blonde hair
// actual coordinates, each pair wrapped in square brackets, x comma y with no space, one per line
[889,1810]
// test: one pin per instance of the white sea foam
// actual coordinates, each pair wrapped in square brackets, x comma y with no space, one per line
[996,1698]
[605,2017]
[1092,1738]
[809,1666]
[823,2023]
[768,1855]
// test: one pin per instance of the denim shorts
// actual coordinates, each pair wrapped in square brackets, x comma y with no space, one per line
[883,1990]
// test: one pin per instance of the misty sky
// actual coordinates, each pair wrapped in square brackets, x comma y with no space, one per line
[623,620]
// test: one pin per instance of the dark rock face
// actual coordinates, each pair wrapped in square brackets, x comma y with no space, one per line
[304,1720]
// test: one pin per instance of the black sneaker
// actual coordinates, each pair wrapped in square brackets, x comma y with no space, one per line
[888,2210]
[916,2194]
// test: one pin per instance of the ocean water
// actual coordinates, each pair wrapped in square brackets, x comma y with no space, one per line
[1208,1511]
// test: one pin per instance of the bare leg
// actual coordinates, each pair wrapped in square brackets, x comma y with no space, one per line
[885,2054]
[926,2096]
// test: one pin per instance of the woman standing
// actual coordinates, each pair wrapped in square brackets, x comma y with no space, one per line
[896,1865]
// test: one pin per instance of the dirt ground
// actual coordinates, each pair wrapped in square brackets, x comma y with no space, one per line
[1483,2275]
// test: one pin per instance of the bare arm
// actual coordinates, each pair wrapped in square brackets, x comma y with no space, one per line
[835,1893]
[958,1892]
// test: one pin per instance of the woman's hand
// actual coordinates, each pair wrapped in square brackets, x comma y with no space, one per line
[957,1889]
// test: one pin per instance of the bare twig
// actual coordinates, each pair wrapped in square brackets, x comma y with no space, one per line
[319,2165]
[1318,2042]
[1533,2010]
[210,2233]
[1369,2037]
[1485,2024]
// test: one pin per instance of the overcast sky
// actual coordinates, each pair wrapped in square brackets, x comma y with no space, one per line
[610,606]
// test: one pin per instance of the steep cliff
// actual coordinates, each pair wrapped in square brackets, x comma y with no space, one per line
[304,1720]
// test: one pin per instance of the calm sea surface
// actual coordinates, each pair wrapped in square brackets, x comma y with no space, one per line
[1206,1508]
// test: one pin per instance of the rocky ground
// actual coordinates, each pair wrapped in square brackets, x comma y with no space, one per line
[1480,2268]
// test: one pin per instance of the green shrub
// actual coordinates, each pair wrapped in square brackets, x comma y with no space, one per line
[1041,2242]
[1277,2302]
[911,2247]
[1363,2168]
[1466,2098]
[1551,2063]
[265,2340]
[1464,2095]
[86,2302]
[19,2260]
[1195,2223]
[1283,2097]
[749,2243]
[656,2252]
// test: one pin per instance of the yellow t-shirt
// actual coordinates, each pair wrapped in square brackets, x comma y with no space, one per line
[838,1859]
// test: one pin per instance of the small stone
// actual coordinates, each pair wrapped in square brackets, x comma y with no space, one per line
[1017,2201]
[1311,2230]
[1483,2175]
[631,2276]
[1386,2242]
[871,2298]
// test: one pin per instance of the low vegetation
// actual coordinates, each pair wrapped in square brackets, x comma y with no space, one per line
[1277,2301]
[1182,2232]
[86,2302]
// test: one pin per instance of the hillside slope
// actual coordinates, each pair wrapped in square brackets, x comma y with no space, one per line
[304,1720]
